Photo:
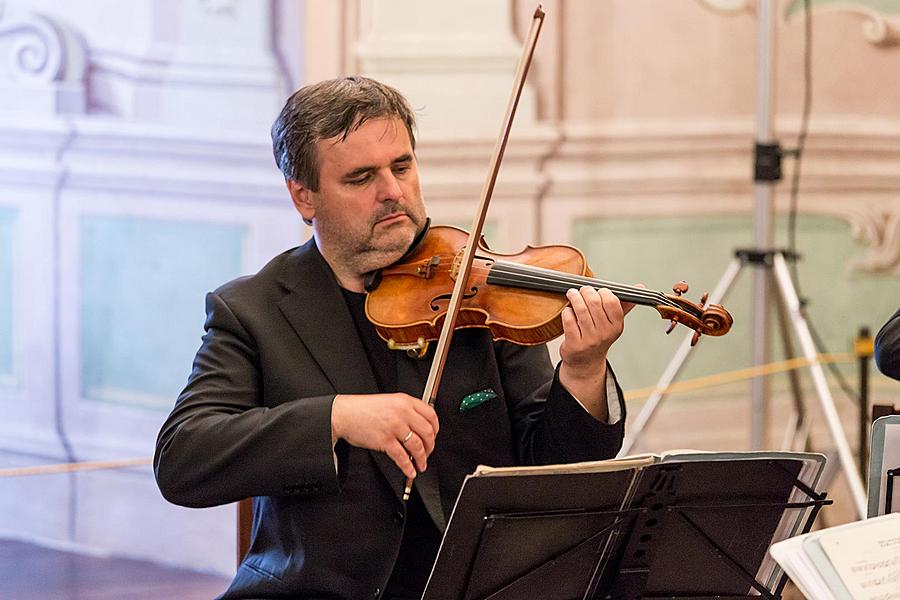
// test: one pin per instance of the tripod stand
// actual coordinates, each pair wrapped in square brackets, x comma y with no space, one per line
[772,264]
[771,268]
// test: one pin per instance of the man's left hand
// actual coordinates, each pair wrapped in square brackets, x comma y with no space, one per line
[592,322]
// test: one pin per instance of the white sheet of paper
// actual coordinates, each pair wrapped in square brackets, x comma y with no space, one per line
[866,556]
[802,571]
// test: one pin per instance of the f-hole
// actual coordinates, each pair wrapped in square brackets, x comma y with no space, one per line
[470,294]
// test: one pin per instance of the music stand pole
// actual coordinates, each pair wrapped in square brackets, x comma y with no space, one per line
[769,268]
[763,216]
[764,179]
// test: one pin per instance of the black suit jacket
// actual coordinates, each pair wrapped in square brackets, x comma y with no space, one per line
[255,421]
[887,347]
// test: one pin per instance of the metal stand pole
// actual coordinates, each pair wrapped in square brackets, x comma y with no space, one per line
[766,262]
[767,171]
[763,215]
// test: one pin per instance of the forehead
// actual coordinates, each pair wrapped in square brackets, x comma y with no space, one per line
[375,142]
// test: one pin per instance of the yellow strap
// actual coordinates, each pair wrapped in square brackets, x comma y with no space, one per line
[76,466]
[741,374]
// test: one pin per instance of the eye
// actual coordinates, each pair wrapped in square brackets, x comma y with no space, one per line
[361,180]
[401,169]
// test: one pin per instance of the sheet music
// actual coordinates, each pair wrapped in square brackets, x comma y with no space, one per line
[867,557]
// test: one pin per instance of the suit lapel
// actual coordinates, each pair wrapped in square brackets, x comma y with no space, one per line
[317,312]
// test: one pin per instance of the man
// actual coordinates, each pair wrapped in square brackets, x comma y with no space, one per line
[294,401]
[887,347]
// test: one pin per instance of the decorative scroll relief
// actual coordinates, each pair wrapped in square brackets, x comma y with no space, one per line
[880,231]
[881,18]
[42,65]
[727,6]
[34,49]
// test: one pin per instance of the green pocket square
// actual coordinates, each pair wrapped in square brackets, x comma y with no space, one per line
[473,400]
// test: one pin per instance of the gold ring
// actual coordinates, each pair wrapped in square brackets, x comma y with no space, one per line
[406,439]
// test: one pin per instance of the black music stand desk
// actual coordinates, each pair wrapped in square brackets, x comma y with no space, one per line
[682,525]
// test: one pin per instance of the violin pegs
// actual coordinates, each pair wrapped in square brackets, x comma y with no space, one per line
[703,299]
[680,288]
[672,325]
[695,339]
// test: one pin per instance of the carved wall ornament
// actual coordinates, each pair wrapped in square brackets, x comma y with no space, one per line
[35,48]
[728,6]
[880,231]
[881,18]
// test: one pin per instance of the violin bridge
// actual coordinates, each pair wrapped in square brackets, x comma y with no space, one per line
[426,269]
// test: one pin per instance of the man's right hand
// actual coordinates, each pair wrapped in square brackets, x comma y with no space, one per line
[383,422]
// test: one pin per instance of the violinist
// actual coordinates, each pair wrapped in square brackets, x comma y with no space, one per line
[295,401]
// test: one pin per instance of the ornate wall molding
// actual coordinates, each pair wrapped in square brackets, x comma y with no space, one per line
[669,168]
[44,65]
[727,6]
[878,228]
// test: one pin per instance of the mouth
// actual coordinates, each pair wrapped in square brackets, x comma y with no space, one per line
[392,219]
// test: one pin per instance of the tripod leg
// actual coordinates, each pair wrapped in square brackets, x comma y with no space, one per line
[796,435]
[633,432]
[789,295]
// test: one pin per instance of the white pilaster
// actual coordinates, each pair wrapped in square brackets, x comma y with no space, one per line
[455,61]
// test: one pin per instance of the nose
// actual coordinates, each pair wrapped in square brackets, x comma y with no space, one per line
[389,186]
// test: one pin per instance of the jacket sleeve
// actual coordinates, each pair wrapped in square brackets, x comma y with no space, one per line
[887,347]
[549,425]
[221,443]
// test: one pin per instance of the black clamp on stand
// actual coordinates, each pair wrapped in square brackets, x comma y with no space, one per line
[692,526]
[767,162]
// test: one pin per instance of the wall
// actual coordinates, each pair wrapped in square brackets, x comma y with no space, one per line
[135,175]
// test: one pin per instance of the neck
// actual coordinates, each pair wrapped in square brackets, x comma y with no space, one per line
[346,276]
[536,278]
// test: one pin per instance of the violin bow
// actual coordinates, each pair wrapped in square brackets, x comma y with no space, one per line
[440,354]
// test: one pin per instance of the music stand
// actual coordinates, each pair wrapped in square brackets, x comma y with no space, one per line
[686,526]
[884,466]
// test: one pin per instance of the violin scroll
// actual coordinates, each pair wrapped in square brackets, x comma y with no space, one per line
[704,320]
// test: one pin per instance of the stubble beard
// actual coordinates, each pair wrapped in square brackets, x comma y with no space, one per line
[365,250]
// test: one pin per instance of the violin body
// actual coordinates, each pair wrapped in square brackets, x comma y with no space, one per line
[519,297]
[426,277]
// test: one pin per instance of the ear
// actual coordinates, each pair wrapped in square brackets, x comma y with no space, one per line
[300,195]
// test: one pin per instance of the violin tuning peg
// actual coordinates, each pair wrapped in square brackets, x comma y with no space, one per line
[703,299]
[680,288]
[695,339]
[672,325]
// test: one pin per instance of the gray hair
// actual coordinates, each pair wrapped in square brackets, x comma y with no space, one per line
[329,109]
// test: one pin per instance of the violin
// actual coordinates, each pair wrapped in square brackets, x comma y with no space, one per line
[518,297]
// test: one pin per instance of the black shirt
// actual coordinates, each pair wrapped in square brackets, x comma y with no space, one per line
[421,537]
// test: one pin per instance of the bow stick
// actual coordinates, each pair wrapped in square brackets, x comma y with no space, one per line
[440,354]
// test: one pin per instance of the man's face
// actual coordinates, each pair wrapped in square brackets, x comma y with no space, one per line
[369,206]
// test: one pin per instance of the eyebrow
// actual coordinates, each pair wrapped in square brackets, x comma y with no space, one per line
[403,158]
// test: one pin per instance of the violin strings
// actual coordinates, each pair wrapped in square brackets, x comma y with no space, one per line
[504,272]
[514,274]
[521,272]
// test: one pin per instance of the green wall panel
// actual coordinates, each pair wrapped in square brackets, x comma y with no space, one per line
[143,283]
